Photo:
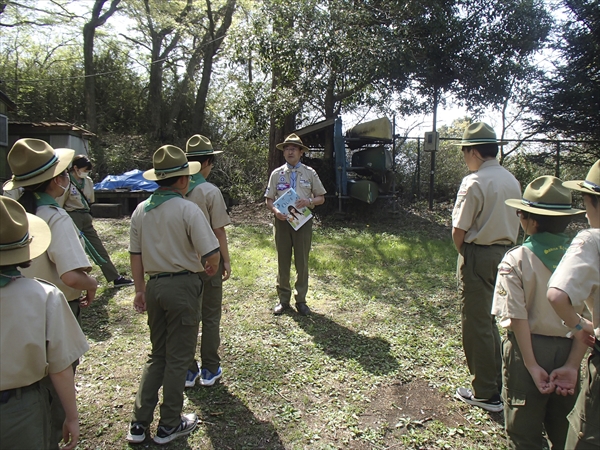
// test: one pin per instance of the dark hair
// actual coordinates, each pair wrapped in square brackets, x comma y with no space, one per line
[487,150]
[593,198]
[548,224]
[201,158]
[27,200]
[23,265]
[81,161]
[168,182]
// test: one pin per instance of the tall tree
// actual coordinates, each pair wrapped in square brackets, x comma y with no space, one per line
[98,18]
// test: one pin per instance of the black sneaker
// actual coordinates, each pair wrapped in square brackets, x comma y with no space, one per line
[136,433]
[122,281]
[493,404]
[165,435]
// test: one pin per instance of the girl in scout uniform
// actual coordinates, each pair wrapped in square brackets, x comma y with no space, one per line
[77,202]
[38,336]
[169,238]
[535,344]
[210,200]
[305,181]
[41,171]
[576,282]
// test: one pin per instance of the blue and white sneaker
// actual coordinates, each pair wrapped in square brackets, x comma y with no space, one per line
[190,378]
[208,378]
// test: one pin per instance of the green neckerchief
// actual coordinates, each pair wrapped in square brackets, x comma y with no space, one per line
[195,180]
[80,186]
[9,274]
[548,247]
[43,199]
[159,196]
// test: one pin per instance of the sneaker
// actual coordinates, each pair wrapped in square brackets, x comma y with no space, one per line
[208,378]
[136,433]
[190,378]
[165,435]
[493,404]
[122,281]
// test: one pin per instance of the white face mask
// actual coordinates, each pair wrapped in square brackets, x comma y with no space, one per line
[64,188]
[83,173]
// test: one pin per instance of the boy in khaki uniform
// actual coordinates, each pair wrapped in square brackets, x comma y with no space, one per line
[209,199]
[576,282]
[483,229]
[39,336]
[535,345]
[169,236]
[309,188]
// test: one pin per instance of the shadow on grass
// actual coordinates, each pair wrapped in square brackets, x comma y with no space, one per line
[372,353]
[229,424]
[95,318]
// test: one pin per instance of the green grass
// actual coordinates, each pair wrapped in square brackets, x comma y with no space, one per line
[374,366]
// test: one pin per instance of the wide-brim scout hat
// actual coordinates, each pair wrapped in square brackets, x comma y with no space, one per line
[199,145]
[33,161]
[545,196]
[591,184]
[170,162]
[479,133]
[23,236]
[294,140]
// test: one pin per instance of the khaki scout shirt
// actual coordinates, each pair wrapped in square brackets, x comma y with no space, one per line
[520,293]
[65,253]
[171,237]
[480,209]
[578,274]
[308,183]
[38,333]
[72,200]
[210,200]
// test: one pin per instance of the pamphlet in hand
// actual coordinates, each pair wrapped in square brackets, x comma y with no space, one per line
[286,204]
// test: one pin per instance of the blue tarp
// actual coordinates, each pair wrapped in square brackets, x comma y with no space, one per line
[132,180]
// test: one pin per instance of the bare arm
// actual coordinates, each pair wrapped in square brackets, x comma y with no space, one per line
[458,236]
[137,271]
[221,235]
[79,279]
[565,378]
[64,383]
[211,263]
[523,334]
[561,303]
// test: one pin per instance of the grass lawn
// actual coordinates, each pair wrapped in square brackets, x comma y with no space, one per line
[375,366]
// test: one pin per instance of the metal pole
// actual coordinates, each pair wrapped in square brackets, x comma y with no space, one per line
[432,173]
[557,167]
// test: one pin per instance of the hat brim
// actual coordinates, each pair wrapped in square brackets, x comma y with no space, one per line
[203,153]
[64,155]
[577,185]
[471,144]
[518,204]
[192,169]
[281,145]
[40,235]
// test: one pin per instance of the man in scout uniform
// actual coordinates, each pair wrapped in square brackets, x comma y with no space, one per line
[41,171]
[39,336]
[210,200]
[169,237]
[483,229]
[77,201]
[305,181]
[535,345]
[576,282]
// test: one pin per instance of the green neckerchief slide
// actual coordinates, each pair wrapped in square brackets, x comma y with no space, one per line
[159,196]
[548,247]
[43,199]
[195,180]
[9,274]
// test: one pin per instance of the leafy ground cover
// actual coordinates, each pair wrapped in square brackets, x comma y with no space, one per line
[374,366]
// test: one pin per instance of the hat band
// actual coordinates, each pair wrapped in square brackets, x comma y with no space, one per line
[33,173]
[482,140]
[19,244]
[174,169]
[546,205]
[589,185]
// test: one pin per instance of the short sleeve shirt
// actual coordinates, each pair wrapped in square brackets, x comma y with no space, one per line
[209,199]
[73,201]
[38,333]
[308,183]
[64,254]
[578,274]
[520,293]
[480,209]
[171,237]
